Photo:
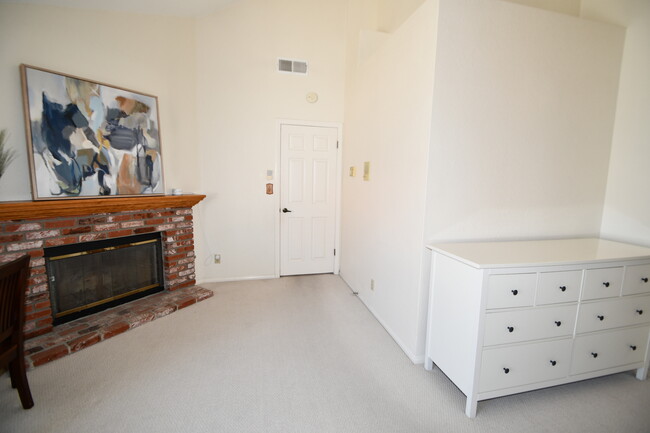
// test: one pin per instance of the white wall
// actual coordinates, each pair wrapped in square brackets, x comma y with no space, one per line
[147,53]
[626,214]
[524,103]
[387,119]
[240,99]
[569,7]
[392,13]
[219,97]
[523,110]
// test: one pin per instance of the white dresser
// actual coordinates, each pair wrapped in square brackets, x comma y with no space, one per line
[509,317]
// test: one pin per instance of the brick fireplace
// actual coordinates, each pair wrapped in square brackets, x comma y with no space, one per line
[29,227]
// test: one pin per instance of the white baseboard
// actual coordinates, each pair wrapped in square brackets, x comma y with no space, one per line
[226,280]
[415,359]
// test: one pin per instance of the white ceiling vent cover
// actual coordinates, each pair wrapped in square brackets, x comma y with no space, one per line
[292,66]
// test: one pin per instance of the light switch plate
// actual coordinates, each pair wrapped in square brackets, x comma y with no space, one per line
[366,170]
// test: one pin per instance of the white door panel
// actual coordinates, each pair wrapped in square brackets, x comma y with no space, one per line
[295,235]
[319,238]
[320,182]
[308,193]
[296,187]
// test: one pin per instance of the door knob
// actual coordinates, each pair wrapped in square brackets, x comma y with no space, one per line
[285,210]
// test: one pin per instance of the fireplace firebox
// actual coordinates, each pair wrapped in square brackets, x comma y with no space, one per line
[88,277]
[30,227]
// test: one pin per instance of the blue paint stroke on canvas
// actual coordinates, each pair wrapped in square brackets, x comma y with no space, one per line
[92,140]
[56,125]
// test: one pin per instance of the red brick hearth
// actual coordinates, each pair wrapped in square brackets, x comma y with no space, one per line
[29,227]
[81,333]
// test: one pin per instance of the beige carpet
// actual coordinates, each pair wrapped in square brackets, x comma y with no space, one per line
[299,354]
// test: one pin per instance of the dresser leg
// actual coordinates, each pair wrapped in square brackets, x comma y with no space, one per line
[641,373]
[428,363]
[470,407]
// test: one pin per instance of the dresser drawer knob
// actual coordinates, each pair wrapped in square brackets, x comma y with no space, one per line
[515,292]
[553,363]
[639,312]
[506,370]
[594,354]
[563,288]
[644,279]
[606,284]
[558,323]
[510,328]
[633,347]
[601,318]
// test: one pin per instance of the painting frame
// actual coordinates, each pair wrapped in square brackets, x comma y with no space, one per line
[87,139]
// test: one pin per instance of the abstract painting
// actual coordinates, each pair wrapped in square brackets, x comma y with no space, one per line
[87,139]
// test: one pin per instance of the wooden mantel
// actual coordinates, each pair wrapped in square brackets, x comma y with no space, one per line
[29,210]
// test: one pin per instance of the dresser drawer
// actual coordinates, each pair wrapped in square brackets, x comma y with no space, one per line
[637,280]
[614,313]
[524,325]
[511,290]
[609,349]
[602,283]
[528,363]
[557,287]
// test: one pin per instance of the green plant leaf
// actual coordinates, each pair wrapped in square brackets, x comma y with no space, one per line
[6,155]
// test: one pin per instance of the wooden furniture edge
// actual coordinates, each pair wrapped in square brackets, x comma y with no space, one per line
[31,210]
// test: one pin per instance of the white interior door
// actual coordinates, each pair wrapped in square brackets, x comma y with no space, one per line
[307,199]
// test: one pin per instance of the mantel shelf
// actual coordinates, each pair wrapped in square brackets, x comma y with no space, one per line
[30,210]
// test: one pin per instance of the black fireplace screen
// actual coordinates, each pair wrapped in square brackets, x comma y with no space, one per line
[92,276]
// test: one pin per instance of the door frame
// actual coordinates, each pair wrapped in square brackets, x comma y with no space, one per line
[277,179]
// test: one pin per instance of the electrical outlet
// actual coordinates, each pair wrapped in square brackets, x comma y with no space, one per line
[372,284]
[217,259]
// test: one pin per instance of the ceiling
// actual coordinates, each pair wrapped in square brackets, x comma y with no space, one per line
[186,8]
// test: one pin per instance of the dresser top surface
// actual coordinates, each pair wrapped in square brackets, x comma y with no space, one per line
[540,253]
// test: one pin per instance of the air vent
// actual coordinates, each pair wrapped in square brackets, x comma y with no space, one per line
[292,66]
[285,65]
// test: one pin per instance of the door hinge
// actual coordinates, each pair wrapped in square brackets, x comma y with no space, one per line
[337,144]
[334,251]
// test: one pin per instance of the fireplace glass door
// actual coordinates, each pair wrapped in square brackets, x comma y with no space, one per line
[88,277]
